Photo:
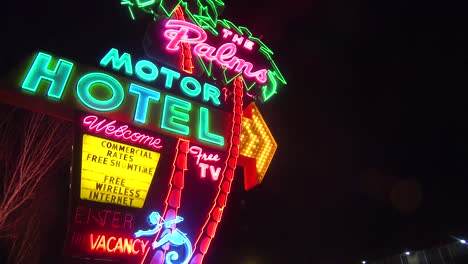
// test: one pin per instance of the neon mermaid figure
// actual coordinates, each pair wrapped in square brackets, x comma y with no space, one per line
[173,236]
[153,219]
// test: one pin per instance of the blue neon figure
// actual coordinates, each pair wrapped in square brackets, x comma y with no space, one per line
[173,236]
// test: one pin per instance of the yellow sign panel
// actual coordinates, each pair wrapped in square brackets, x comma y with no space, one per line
[116,173]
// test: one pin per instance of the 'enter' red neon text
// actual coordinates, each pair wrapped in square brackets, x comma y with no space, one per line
[178,32]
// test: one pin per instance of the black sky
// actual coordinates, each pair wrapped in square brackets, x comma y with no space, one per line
[372,126]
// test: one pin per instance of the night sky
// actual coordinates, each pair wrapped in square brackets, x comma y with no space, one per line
[371,129]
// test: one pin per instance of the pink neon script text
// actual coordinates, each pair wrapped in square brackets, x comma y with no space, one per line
[109,128]
[179,31]
[199,154]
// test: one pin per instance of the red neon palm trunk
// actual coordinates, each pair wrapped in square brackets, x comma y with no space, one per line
[186,63]
[214,217]
[173,198]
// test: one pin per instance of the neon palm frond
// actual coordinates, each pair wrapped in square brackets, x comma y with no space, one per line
[205,13]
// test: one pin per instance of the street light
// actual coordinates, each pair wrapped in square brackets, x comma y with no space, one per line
[407,253]
[462,241]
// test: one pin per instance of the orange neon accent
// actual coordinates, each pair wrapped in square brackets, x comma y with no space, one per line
[108,242]
[119,245]
[93,244]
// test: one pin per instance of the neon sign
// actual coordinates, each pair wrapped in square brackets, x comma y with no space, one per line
[179,32]
[199,154]
[93,124]
[257,142]
[118,245]
[119,163]
[176,114]
[103,218]
[205,15]
[189,86]
[170,235]
[248,44]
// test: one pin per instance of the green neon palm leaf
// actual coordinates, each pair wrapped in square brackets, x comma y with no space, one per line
[205,14]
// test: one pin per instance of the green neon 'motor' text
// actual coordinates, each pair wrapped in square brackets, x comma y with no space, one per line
[176,114]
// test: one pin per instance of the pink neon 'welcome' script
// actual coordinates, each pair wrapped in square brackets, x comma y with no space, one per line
[179,31]
[92,122]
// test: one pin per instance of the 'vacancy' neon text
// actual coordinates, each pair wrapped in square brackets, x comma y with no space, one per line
[118,245]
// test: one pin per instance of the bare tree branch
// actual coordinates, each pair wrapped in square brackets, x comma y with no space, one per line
[31,145]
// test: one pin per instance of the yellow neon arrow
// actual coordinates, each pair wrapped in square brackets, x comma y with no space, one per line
[257,142]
